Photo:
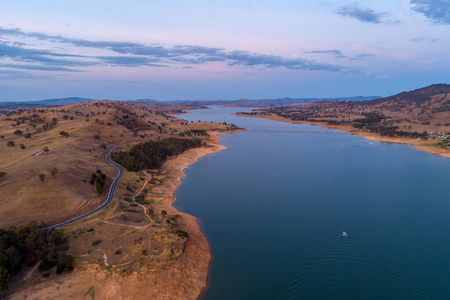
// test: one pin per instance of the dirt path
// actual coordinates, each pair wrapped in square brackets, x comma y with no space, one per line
[105,257]
[30,273]
[137,194]
[111,223]
[28,155]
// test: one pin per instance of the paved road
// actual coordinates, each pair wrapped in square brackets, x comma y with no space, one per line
[111,193]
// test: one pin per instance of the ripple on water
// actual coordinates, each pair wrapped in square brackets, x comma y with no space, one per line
[346,271]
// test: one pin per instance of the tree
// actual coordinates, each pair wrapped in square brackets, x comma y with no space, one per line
[13,257]
[27,135]
[103,146]
[18,132]
[42,177]
[11,144]
[5,278]
[29,244]
[64,133]
[22,146]
[45,149]
[53,171]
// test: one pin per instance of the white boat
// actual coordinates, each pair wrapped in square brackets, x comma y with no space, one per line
[344,234]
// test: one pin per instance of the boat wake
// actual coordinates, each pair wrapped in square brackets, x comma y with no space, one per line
[346,271]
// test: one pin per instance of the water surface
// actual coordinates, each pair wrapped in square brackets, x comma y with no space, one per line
[273,206]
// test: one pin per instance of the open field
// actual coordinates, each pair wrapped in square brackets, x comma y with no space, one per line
[140,237]
[30,190]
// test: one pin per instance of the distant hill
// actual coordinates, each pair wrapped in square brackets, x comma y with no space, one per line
[419,95]
[268,102]
[8,106]
[62,101]
[40,103]
[408,113]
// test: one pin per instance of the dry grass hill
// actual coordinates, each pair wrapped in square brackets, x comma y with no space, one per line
[48,155]
[140,247]
[423,113]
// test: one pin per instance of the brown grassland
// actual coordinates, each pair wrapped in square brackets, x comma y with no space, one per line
[140,247]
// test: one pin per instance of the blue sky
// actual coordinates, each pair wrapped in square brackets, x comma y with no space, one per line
[221,50]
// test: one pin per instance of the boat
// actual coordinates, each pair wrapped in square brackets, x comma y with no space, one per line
[344,234]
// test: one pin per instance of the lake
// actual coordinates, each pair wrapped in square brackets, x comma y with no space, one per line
[274,204]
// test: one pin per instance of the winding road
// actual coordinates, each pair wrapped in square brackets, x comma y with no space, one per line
[111,193]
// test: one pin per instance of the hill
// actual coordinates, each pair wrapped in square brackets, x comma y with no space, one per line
[422,113]
[6,107]
[78,136]
[53,168]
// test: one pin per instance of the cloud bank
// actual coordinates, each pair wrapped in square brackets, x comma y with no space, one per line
[132,54]
[363,14]
[437,11]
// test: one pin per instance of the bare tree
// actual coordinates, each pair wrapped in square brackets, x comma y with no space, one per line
[53,171]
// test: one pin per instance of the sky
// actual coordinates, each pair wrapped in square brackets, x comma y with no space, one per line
[211,50]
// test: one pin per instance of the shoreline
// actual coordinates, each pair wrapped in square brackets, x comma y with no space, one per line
[213,146]
[367,135]
[186,277]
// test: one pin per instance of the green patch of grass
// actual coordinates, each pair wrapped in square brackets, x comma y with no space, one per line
[91,292]
[141,201]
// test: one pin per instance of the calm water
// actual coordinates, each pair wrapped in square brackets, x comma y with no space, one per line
[273,206]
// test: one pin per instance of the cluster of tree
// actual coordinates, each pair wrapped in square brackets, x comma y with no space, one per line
[64,133]
[371,118]
[28,245]
[152,154]
[52,171]
[99,179]
[392,131]
[193,132]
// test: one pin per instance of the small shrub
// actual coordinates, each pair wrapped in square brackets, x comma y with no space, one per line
[64,133]
[96,242]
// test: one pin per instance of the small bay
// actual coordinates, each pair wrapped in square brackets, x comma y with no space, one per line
[273,206]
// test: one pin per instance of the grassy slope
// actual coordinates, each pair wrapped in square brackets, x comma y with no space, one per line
[25,197]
